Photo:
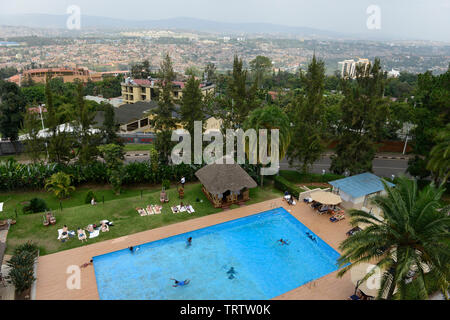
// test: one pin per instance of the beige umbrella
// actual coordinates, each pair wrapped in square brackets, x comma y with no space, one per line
[371,286]
[326,198]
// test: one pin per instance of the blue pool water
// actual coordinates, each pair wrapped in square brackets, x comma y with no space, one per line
[264,268]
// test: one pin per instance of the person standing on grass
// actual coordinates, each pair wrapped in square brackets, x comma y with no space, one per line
[183,181]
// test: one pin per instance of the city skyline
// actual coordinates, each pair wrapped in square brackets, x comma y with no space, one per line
[417,19]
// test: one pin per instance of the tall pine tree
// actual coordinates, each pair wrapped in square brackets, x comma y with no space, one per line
[306,113]
[163,120]
[364,112]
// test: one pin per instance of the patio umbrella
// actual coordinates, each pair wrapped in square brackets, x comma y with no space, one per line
[371,286]
[326,198]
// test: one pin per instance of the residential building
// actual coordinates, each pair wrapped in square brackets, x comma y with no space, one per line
[67,75]
[135,90]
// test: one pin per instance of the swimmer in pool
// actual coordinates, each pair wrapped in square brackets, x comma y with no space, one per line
[231,273]
[282,241]
[189,242]
[180,283]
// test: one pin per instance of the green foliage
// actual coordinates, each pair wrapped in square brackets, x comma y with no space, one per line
[31,127]
[166,184]
[60,184]
[284,185]
[307,114]
[260,67]
[439,161]
[192,105]
[364,112]
[36,205]
[89,196]
[12,108]
[163,120]
[21,264]
[412,237]
[113,155]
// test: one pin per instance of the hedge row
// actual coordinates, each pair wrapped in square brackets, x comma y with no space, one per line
[284,185]
[17,176]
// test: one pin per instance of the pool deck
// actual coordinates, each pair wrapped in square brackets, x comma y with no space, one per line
[52,275]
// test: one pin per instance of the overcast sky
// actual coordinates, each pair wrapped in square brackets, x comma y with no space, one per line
[420,19]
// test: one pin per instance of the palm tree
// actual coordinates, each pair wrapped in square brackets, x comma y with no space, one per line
[271,117]
[60,184]
[439,162]
[412,238]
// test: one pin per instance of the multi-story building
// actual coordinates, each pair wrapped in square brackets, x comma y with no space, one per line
[67,74]
[348,69]
[148,89]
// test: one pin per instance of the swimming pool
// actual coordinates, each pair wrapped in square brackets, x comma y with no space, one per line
[263,268]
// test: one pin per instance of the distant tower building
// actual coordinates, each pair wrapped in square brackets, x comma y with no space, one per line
[348,69]
[393,73]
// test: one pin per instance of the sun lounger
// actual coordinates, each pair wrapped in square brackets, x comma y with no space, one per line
[175,209]
[94,234]
[189,209]
[150,210]
[337,218]
[60,235]
[182,209]
[141,211]
[156,209]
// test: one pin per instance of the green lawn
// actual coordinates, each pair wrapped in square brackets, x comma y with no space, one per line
[137,147]
[120,210]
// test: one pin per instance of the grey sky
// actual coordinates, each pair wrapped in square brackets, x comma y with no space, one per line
[421,19]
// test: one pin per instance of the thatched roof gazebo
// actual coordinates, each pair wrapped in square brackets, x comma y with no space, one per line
[225,184]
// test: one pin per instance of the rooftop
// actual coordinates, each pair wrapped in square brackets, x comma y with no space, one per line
[360,185]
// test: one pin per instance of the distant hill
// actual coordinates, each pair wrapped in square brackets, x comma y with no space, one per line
[180,23]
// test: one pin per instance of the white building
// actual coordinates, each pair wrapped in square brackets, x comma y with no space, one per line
[393,73]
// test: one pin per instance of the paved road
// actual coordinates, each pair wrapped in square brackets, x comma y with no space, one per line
[381,166]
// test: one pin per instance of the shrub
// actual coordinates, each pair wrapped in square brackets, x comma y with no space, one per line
[36,205]
[166,184]
[284,185]
[21,263]
[90,194]
[298,177]
[60,184]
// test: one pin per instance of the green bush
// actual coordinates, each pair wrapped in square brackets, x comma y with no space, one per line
[21,263]
[36,205]
[166,184]
[284,185]
[90,194]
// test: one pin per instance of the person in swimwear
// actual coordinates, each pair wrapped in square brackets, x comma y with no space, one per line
[180,283]
[282,241]
[189,242]
[85,265]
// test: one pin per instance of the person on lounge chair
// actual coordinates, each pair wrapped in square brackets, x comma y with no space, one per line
[357,296]
[81,235]
[337,217]
[105,227]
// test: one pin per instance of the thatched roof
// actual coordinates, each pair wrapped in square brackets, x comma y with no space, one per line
[219,178]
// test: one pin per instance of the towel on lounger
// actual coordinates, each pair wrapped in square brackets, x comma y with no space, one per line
[94,234]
